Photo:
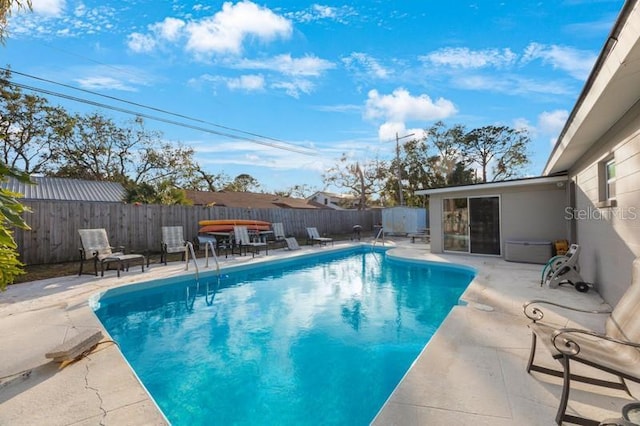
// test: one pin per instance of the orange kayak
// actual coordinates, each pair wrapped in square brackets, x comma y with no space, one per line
[229,228]
[232,222]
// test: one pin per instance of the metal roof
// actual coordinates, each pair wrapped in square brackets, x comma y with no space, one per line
[51,188]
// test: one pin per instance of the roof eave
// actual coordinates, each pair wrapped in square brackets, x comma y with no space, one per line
[494,185]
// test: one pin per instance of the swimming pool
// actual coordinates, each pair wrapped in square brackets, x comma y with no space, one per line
[316,340]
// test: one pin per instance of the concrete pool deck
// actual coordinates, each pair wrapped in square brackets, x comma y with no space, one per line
[472,371]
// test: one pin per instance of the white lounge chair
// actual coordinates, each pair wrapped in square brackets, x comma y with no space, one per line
[314,237]
[172,242]
[95,245]
[242,240]
[616,351]
[278,236]
[278,231]
[292,243]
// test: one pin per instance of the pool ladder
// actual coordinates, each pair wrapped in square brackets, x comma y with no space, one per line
[380,234]
[210,294]
[191,250]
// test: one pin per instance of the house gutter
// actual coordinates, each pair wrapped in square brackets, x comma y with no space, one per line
[627,8]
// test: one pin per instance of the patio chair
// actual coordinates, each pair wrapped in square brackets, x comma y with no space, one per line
[172,242]
[314,237]
[278,231]
[277,238]
[564,269]
[292,243]
[616,351]
[242,240]
[95,245]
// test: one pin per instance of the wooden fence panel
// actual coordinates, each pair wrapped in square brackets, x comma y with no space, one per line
[54,225]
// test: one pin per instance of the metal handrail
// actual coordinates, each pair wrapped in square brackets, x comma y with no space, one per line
[193,255]
[213,253]
[380,233]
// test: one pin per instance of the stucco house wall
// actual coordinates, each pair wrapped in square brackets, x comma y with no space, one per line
[528,212]
[610,236]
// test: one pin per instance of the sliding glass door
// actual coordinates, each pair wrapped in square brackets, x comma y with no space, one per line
[484,225]
[472,225]
[456,224]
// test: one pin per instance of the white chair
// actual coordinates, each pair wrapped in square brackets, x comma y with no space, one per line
[172,242]
[278,231]
[314,237]
[242,240]
[292,243]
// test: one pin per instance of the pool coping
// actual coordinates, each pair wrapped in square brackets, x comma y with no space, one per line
[102,388]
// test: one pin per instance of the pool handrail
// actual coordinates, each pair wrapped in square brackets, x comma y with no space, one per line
[191,251]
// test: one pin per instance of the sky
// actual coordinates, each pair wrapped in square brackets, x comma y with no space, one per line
[281,89]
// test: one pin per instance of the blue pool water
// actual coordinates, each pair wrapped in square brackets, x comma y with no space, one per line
[319,340]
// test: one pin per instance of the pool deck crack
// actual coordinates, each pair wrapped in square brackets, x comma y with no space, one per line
[97,392]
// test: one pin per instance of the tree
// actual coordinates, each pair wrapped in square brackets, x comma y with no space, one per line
[363,180]
[29,127]
[243,183]
[11,211]
[434,161]
[99,149]
[5,12]
[200,180]
[500,148]
[447,161]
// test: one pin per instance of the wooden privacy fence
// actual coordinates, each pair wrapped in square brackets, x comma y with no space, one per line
[54,225]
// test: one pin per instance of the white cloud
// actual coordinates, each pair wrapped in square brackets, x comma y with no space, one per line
[361,63]
[397,108]
[318,12]
[141,43]
[511,84]
[227,30]
[169,29]
[48,7]
[112,77]
[246,82]
[462,57]
[102,83]
[308,66]
[295,88]
[524,124]
[577,63]
[401,106]
[388,131]
[551,123]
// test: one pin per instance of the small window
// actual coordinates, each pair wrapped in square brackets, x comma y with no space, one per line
[326,201]
[607,183]
[610,180]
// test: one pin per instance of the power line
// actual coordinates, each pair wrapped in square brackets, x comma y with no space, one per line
[279,145]
[291,148]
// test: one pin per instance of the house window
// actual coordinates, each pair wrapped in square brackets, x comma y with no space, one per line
[326,201]
[607,183]
[610,177]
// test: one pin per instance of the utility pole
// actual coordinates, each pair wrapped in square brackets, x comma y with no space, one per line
[398,171]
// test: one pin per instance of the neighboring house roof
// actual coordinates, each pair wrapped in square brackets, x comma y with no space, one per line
[332,200]
[332,195]
[247,200]
[63,189]
[609,92]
